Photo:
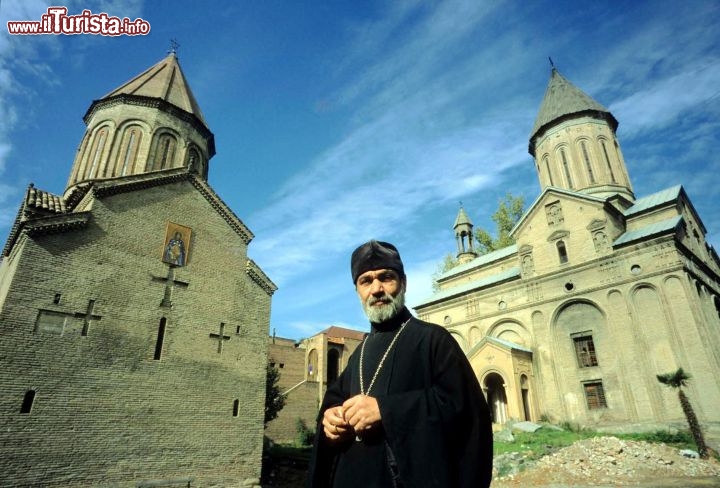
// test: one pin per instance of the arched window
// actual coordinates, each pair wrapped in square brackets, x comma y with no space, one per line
[160,339]
[132,137]
[195,162]
[312,366]
[607,161]
[566,168]
[562,252]
[95,155]
[546,162]
[528,266]
[28,400]
[586,159]
[81,156]
[164,153]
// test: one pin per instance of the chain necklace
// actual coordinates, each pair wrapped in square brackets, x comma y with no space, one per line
[380,364]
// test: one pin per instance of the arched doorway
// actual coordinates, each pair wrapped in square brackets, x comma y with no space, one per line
[333,365]
[496,397]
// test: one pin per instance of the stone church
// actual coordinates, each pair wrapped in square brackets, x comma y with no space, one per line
[306,369]
[134,326]
[601,292]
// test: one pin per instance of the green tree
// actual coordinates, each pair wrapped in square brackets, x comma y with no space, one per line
[678,379]
[274,400]
[509,211]
[448,263]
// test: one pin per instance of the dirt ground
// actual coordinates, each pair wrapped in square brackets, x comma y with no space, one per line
[592,463]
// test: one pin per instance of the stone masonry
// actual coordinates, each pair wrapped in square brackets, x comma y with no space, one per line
[119,369]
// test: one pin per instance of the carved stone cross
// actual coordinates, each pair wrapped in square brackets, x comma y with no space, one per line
[170,284]
[220,337]
[87,317]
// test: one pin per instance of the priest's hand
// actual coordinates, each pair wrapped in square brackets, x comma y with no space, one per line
[362,412]
[334,424]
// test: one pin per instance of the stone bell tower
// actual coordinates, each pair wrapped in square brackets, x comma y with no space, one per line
[574,144]
[150,123]
[463,235]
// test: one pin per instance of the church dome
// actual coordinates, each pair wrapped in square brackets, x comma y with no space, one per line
[150,123]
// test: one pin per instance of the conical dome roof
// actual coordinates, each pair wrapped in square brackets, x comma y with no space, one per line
[561,99]
[164,80]
[462,218]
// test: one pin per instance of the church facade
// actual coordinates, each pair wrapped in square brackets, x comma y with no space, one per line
[134,326]
[601,291]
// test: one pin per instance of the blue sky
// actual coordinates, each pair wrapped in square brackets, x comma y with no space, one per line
[340,121]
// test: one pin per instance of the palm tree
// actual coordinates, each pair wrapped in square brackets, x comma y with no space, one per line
[678,379]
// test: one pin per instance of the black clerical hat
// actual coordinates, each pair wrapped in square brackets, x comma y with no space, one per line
[375,255]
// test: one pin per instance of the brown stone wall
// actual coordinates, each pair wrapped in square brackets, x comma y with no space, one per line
[301,401]
[106,411]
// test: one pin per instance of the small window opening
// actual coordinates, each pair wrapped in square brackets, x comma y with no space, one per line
[272,365]
[569,286]
[237,330]
[566,168]
[595,395]
[585,351]
[28,401]
[547,167]
[562,252]
[282,365]
[236,407]
[588,165]
[607,162]
[160,339]
[56,300]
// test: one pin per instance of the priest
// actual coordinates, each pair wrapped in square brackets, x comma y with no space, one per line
[407,411]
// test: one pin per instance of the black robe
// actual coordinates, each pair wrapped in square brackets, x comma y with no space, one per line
[436,426]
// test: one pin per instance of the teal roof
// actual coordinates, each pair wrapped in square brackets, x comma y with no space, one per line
[651,230]
[658,199]
[480,261]
[511,273]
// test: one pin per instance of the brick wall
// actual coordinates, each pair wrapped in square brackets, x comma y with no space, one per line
[302,401]
[106,411]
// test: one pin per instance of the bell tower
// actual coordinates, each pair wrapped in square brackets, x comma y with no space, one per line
[574,143]
[151,123]
[463,234]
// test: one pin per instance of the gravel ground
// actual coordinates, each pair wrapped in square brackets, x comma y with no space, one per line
[609,461]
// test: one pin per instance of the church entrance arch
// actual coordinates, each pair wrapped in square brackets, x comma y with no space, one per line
[333,365]
[494,386]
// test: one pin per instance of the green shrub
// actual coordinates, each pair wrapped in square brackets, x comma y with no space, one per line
[681,438]
[305,435]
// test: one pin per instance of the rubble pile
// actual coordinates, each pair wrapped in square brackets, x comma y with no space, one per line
[612,460]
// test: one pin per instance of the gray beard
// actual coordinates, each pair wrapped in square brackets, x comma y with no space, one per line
[379,314]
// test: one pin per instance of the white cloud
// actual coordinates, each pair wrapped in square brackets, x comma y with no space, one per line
[419,277]
[26,67]
[661,103]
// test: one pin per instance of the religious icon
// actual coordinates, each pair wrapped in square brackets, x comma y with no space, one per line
[177,244]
